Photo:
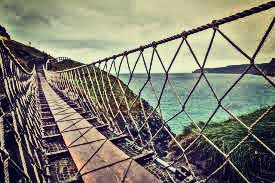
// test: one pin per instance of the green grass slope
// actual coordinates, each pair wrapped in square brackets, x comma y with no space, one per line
[250,157]
[66,64]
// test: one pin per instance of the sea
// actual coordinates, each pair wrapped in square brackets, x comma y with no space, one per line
[241,97]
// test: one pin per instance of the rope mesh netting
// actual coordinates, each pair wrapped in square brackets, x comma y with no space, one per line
[21,154]
[114,90]
[125,92]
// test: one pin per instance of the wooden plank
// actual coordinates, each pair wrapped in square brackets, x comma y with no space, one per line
[97,158]
[106,155]
[114,173]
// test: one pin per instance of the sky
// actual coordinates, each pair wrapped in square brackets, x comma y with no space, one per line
[91,30]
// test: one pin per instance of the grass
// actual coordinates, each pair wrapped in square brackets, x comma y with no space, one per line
[251,158]
[66,64]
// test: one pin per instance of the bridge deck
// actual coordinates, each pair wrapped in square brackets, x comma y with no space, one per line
[97,158]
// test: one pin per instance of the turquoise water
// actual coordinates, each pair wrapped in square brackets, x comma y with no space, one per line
[251,93]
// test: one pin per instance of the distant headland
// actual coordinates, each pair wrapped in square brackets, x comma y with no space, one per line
[267,68]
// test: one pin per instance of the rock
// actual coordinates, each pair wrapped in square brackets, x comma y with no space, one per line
[4,33]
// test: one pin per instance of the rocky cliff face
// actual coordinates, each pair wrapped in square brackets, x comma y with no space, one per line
[4,33]
[267,68]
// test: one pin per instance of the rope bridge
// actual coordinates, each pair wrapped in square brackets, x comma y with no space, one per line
[105,93]
[21,143]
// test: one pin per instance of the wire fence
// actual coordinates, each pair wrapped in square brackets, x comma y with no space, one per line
[22,158]
[113,89]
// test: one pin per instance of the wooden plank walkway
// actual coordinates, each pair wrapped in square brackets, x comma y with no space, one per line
[97,159]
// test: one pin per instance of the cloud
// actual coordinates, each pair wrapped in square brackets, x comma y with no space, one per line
[92,44]
[90,30]
[17,14]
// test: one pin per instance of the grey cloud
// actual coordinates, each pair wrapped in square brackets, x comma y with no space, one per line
[80,44]
[18,14]
[101,27]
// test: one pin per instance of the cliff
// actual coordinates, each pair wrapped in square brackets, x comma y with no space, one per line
[3,33]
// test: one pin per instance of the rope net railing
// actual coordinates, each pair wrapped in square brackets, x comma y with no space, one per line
[125,92]
[21,153]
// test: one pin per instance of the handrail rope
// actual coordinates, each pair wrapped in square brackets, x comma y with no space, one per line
[16,60]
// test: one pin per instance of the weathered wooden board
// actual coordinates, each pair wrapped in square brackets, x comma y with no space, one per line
[97,158]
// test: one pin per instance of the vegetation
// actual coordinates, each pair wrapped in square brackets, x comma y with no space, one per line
[251,157]
[65,64]
[26,55]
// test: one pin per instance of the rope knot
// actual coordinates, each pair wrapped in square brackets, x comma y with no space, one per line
[184,34]
[219,103]
[215,24]
[141,48]
[154,44]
